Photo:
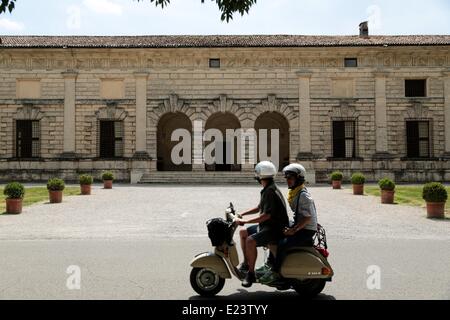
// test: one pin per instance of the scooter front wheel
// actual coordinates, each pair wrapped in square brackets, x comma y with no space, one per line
[206,282]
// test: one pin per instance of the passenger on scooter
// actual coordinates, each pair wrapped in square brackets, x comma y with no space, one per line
[273,219]
[304,226]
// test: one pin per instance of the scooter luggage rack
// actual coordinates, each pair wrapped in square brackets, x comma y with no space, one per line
[320,238]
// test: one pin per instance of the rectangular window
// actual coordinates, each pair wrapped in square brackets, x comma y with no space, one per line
[350,62]
[418,139]
[344,139]
[27,138]
[111,139]
[415,88]
[214,63]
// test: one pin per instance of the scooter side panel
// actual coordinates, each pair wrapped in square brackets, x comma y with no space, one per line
[303,265]
[211,261]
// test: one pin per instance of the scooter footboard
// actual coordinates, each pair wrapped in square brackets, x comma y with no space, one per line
[211,261]
[305,265]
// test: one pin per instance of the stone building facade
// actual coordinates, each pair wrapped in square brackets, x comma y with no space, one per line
[375,104]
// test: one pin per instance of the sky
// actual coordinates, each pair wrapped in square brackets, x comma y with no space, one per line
[308,17]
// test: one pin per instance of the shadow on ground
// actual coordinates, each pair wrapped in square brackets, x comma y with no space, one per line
[243,294]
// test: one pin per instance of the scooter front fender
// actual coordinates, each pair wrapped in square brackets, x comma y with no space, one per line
[211,261]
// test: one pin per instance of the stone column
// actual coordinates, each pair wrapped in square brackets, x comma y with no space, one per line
[250,156]
[447,113]
[381,149]
[141,115]
[198,129]
[69,113]
[304,119]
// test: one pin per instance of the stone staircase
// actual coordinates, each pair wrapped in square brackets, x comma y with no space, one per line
[204,177]
[207,177]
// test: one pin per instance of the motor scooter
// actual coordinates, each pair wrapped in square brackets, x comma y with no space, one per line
[304,269]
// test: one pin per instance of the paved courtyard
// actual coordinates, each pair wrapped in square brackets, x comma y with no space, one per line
[137,242]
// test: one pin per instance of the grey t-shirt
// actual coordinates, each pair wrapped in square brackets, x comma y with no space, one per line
[303,206]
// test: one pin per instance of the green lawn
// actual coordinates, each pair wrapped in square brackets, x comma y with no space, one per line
[408,195]
[38,194]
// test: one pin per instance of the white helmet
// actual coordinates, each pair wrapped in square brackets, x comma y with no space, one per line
[265,170]
[294,169]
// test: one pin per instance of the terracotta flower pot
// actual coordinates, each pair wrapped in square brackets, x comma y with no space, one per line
[13,206]
[435,209]
[387,196]
[85,189]
[336,184]
[107,184]
[55,196]
[358,189]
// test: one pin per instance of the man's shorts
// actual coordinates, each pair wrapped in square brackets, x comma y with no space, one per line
[264,237]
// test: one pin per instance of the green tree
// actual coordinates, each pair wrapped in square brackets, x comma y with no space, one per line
[226,7]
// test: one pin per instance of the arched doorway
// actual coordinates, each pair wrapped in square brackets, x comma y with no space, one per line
[166,125]
[273,120]
[222,122]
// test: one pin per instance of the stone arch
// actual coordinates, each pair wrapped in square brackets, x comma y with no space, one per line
[223,121]
[167,124]
[274,104]
[274,120]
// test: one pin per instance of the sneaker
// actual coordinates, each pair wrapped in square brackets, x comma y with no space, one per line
[243,267]
[269,277]
[249,280]
[262,270]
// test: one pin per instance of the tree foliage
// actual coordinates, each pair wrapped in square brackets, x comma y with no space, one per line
[226,7]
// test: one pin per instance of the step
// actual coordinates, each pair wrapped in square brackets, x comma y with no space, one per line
[202,177]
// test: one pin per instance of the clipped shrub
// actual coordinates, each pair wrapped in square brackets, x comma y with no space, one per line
[107,175]
[86,179]
[14,190]
[55,184]
[337,176]
[434,192]
[358,178]
[386,184]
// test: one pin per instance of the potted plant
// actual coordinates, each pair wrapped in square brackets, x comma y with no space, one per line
[358,180]
[14,192]
[107,178]
[336,179]
[85,184]
[55,187]
[435,195]
[387,187]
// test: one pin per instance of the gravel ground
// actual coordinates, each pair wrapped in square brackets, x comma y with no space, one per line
[161,211]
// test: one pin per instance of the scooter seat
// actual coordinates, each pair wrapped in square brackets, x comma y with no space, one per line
[300,248]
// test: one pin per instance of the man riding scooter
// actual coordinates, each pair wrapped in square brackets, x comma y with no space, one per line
[273,219]
[304,226]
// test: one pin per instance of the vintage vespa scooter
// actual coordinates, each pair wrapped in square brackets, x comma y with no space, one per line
[304,269]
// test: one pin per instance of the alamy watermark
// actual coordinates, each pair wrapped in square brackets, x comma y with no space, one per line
[236,146]
[373,281]
[73,281]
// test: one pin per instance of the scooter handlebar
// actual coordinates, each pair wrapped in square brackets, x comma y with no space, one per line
[231,214]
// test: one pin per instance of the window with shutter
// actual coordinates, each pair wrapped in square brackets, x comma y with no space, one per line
[417,139]
[344,139]
[111,139]
[27,138]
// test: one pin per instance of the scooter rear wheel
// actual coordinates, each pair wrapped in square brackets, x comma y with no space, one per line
[308,288]
[206,282]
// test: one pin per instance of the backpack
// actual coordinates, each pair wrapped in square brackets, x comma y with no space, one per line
[219,231]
